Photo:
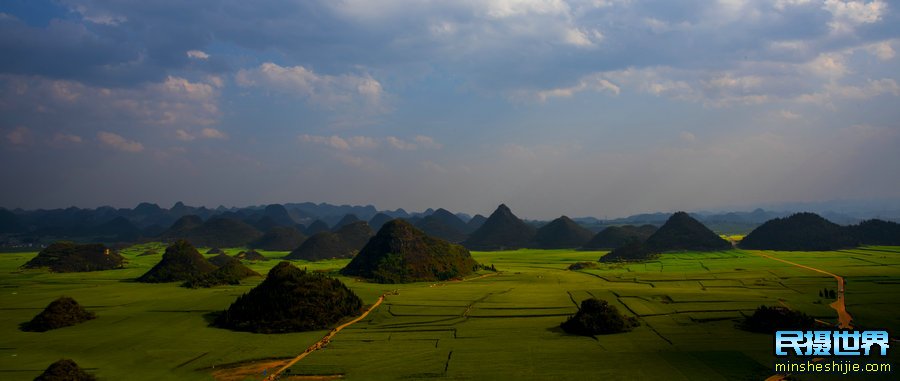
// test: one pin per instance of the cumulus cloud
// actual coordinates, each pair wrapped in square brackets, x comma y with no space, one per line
[328,90]
[119,143]
[847,14]
[197,54]
[212,133]
[368,142]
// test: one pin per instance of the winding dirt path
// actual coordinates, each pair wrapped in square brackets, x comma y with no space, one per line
[324,341]
[843,316]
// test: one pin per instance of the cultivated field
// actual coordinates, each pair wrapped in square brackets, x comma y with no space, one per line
[502,326]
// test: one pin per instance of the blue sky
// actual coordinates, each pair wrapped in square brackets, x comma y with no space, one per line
[602,107]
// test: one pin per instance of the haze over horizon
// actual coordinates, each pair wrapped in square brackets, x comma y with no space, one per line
[584,108]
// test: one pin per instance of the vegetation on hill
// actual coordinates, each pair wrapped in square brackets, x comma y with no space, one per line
[355,235]
[582,265]
[221,259]
[219,231]
[877,232]
[501,231]
[317,226]
[281,238]
[322,245]
[62,312]
[799,232]
[630,252]
[65,370]
[214,250]
[598,317]
[770,319]
[346,220]
[378,220]
[444,225]
[64,257]
[231,272]
[681,232]
[400,253]
[475,223]
[180,262]
[291,300]
[561,233]
[618,236]
[251,255]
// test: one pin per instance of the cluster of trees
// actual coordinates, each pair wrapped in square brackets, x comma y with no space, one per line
[681,232]
[827,293]
[182,262]
[65,370]
[770,319]
[62,312]
[811,232]
[64,257]
[401,253]
[598,317]
[291,300]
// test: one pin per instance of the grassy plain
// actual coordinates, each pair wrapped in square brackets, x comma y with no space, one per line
[497,327]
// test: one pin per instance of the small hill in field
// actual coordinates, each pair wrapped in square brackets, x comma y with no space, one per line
[282,238]
[355,235]
[323,245]
[65,370]
[378,220]
[633,251]
[877,232]
[799,232]
[582,265]
[770,319]
[291,300]
[681,232]
[618,236]
[221,259]
[317,226]
[598,317]
[502,231]
[67,257]
[444,225]
[561,233]
[215,250]
[346,220]
[229,272]
[180,262]
[251,255]
[400,253]
[62,312]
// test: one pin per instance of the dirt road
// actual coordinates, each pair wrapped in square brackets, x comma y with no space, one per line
[843,316]
[322,343]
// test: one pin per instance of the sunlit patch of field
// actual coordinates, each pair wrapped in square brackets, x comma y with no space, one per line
[496,327]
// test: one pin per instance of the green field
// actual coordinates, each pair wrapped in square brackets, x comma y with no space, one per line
[497,327]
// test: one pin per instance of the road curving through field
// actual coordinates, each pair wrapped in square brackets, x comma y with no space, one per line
[844,317]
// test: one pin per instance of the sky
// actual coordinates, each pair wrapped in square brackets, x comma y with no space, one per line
[585,108]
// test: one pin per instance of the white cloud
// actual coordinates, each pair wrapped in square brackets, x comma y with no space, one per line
[328,90]
[197,54]
[846,15]
[789,115]
[368,142]
[119,143]
[870,89]
[883,50]
[687,137]
[184,135]
[212,133]
[588,83]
